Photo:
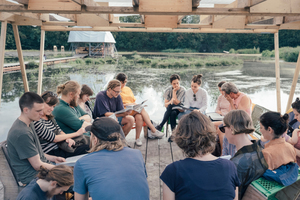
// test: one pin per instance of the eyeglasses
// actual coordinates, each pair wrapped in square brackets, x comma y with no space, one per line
[117,92]
[50,94]
[222,128]
[195,99]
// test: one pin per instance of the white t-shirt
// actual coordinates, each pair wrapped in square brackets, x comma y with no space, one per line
[201,99]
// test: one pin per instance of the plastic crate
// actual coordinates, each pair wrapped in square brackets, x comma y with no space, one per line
[268,188]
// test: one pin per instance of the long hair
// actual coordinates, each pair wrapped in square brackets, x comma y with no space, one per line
[108,145]
[67,87]
[62,174]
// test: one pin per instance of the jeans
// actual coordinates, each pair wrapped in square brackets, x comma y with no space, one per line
[172,114]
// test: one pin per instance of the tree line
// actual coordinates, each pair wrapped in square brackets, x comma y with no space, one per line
[151,42]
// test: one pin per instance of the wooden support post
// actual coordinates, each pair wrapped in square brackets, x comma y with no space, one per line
[40,79]
[277,71]
[20,55]
[2,50]
[293,88]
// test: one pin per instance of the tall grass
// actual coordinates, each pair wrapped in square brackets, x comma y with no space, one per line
[288,54]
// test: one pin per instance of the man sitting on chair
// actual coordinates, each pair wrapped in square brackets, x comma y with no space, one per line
[23,145]
[109,101]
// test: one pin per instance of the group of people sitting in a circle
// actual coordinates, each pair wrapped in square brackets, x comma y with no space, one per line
[51,129]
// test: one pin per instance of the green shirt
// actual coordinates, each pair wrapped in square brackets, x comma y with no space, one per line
[67,117]
[23,143]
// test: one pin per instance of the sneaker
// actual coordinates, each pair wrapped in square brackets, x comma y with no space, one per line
[158,127]
[138,142]
[158,134]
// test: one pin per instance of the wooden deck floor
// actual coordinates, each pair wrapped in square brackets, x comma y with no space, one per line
[158,157]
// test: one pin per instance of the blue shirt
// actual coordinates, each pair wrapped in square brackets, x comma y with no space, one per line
[112,175]
[195,179]
[104,104]
[32,192]
[228,149]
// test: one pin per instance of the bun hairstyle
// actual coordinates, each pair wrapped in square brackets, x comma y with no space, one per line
[67,87]
[296,105]
[62,174]
[197,79]
[221,83]
[278,123]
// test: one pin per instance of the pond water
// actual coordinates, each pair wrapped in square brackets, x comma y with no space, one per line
[147,83]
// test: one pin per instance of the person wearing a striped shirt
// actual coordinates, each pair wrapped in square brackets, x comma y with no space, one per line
[50,133]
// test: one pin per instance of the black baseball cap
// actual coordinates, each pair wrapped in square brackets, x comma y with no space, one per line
[104,126]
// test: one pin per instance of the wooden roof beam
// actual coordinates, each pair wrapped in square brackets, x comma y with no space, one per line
[255,19]
[24,21]
[156,29]
[274,6]
[57,23]
[291,19]
[248,3]
[133,10]
[86,2]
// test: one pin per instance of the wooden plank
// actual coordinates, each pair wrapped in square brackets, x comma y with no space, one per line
[207,19]
[277,6]
[248,3]
[230,22]
[133,10]
[254,19]
[85,2]
[161,21]
[57,23]
[127,25]
[291,26]
[277,71]
[262,26]
[40,77]
[294,83]
[289,19]
[5,16]
[69,16]
[20,20]
[277,20]
[91,20]
[118,29]
[53,5]
[2,50]
[21,60]
[166,5]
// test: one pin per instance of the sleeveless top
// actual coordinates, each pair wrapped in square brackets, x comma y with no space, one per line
[238,100]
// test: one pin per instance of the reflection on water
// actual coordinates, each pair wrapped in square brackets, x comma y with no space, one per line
[146,83]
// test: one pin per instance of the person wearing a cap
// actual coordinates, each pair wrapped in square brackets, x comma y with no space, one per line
[249,159]
[109,101]
[111,170]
